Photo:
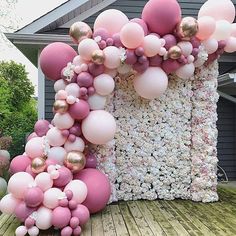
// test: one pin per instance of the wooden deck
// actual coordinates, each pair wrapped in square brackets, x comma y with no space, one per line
[160,217]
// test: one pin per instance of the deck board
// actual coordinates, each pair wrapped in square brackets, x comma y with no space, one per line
[158,218]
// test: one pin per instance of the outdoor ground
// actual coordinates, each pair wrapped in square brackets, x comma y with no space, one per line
[160,217]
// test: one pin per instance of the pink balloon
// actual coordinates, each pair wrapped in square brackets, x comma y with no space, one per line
[142,23]
[151,45]
[155,61]
[132,35]
[99,132]
[74,222]
[22,211]
[161,16]
[33,197]
[19,163]
[86,48]
[65,177]
[152,83]
[101,32]
[219,10]
[170,66]
[32,135]
[186,71]
[211,45]
[85,79]
[8,204]
[44,218]
[21,231]
[72,90]
[29,171]
[99,189]
[43,181]
[55,137]
[131,57]
[112,20]
[77,231]
[41,127]
[34,147]
[63,121]
[51,198]
[206,27]
[82,213]
[91,161]
[112,57]
[95,69]
[52,64]
[186,48]
[230,45]
[79,110]
[104,84]
[77,145]
[170,40]
[33,231]
[67,231]
[57,154]
[29,222]
[61,217]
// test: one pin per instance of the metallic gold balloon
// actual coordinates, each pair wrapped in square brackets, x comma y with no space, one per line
[60,106]
[79,31]
[187,28]
[38,165]
[98,57]
[75,161]
[175,52]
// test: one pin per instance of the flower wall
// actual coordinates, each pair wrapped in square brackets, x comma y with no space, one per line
[164,148]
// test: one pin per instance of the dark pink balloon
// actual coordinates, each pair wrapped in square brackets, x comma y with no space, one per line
[77,231]
[32,135]
[41,127]
[72,138]
[65,132]
[67,231]
[76,129]
[33,197]
[91,161]
[162,16]
[195,52]
[19,164]
[91,91]
[116,40]
[29,171]
[222,44]
[74,222]
[29,222]
[69,194]
[51,162]
[102,44]
[109,42]
[54,58]
[155,61]
[139,51]
[141,67]
[131,57]
[195,42]
[82,213]
[64,202]
[170,66]
[141,23]
[85,79]
[170,41]
[22,211]
[79,110]
[64,178]
[99,189]
[83,91]
[142,59]
[95,69]
[72,204]
[103,33]
[61,217]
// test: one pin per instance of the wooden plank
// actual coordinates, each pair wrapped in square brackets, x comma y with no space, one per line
[176,225]
[139,219]
[97,225]
[6,224]
[153,224]
[108,224]
[118,220]
[129,220]
[4,218]
[12,227]
[161,219]
[87,229]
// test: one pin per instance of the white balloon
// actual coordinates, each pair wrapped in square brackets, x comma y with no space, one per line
[44,181]
[211,45]
[44,218]
[8,204]
[104,84]
[97,102]
[55,138]
[186,48]
[59,85]
[186,71]
[222,31]
[51,198]
[72,90]
[33,231]
[63,121]
[77,145]
[57,154]
[21,231]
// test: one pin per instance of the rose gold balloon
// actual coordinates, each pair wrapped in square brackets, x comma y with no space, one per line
[175,52]
[187,28]
[98,57]
[79,31]
[38,165]
[60,106]
[75,161]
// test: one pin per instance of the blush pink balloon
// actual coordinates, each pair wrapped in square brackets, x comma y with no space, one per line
[22,211]
[86,48]
[211,45]
[162,16]
[112,20]
[33,197]
[44,218]
[72,90]
[41,127]
[82,213]
[52,64]
[142,23]
[206,27]
[8,204]
[186,71]
[230,45]
[104,84]
[51,198]
[19,163]
[67,231]
[29,171]
[61,217]
[112,57]
[99,189]
[77,145]
[79,110]
[32,135]
[43,181]
[65,176]
[57,154]
[99,132]
[63,121]
[151,45]
[21,231]
[55,137]
[34,148]
[132,35]
[170,40]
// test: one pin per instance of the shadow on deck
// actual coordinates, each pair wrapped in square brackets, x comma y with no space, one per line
[160,217]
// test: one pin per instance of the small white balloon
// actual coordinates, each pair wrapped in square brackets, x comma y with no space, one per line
[21,231]
[63,121]
[77,145]
[73,90]
[104,84]
[44,218]
[97,102]
[186,71]
[57,154]
[211,45]
[59,85]
[33,231]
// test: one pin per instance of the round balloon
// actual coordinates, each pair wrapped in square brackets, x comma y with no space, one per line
[55,137]
[77,145]
[57,154]
[3,187]
[34,147]
[52,64]
[44,181]
[112,57]
[8,204]
[104,84]
[41,127]
[19,163]
[44,218]
[51,198]
[82,213]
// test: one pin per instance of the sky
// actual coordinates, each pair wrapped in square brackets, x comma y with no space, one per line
[24,12]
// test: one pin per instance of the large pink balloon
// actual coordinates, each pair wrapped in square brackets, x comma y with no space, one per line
[99,189]
[86,48]
[152,83]
[162,16]
[22,211]
[112,57]
[82,213]
[19,163]
[99,127]
[61,217]
[34,147]
[112,20]
[219,10]
[206,27]
[52,64]
[63,121]
[79,110]
[33,197]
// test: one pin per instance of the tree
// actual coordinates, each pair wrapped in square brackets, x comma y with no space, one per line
[17,107]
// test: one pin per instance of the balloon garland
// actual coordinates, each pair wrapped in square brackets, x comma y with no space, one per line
[55,183]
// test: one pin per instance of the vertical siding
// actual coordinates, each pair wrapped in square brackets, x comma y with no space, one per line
[226,137]
[49,99]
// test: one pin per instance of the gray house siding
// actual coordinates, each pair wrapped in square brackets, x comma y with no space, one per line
[226,110]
